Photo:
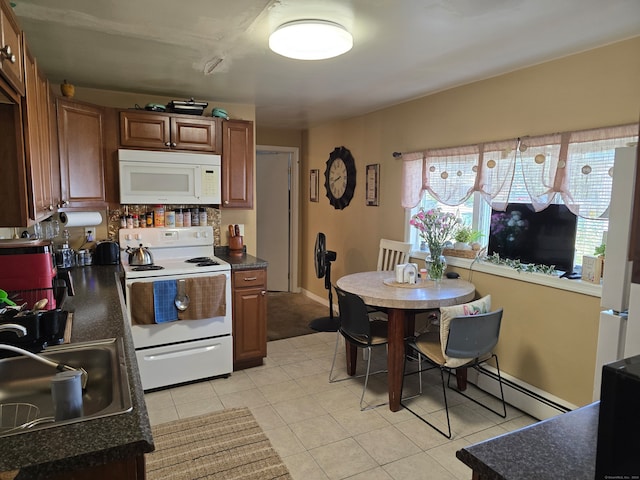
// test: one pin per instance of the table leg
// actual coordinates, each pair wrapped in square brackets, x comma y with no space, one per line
[461,378]
[395,358]
[352,356]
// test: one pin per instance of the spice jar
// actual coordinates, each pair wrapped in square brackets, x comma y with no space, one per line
[158,216]
[186,217]
[149,219]
[179,218]
[203,217]
[169,218]
[195,217]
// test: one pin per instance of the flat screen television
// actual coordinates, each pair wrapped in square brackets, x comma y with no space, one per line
[547,237]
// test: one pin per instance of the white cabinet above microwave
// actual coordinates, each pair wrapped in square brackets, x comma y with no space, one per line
[150,177]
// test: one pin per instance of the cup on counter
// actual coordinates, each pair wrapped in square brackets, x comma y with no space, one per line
[66,391]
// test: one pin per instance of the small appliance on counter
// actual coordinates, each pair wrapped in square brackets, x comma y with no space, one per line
[107,253]
[28,271]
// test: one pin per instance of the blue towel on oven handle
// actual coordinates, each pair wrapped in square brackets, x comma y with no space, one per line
[164,295]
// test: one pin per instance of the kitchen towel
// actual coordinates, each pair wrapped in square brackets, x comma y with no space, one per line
[141,300]
[206,297]
[164,295]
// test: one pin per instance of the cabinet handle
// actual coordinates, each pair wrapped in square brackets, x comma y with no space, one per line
[65,203]
[263,293]
[173,144]
[168,144]
[226,202]
[250,279]
[6,53]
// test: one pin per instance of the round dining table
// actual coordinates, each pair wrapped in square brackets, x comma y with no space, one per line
[402,301]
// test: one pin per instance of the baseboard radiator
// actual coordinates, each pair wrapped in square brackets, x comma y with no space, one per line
[531,400]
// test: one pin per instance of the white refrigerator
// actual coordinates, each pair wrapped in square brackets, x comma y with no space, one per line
[619,327]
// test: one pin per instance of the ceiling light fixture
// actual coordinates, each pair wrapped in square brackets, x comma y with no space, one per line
[310,40]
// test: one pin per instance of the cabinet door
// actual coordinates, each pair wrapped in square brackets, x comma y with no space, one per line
[237,164]
[145,130]
[46,167]
[197,134]
[11,56]
[81,143]
[33,143]
[56,196]
[249,319]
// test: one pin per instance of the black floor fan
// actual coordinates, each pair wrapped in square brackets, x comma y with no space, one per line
[322,261]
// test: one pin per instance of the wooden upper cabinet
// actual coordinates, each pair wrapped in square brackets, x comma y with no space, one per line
[11,55]
[144,130]
[160,131]
[193,133]
[237,164]
[37,141]
[82,154]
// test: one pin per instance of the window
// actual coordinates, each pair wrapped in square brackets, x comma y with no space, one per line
[572,168]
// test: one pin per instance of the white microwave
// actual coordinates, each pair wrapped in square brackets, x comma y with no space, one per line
[169,177]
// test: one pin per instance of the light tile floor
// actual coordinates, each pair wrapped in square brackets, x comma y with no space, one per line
[317,427]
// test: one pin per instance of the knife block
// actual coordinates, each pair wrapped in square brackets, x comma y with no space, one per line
[235,244]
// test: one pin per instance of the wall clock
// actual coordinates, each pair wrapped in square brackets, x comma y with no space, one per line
[340,177]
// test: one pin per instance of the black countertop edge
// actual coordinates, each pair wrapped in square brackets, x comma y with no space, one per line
[239,261]
[559,447]
[98,312]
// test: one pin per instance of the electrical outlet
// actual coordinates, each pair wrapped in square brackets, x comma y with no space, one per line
[89,233]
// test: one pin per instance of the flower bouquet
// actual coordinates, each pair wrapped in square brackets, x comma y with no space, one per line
[435,227]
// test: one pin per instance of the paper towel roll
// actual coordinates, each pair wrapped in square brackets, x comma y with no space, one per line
[80,219]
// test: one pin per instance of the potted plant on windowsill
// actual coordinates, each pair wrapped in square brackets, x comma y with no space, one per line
[466,237]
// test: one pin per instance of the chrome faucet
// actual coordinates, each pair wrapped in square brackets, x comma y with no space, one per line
[19,330]
[61,367]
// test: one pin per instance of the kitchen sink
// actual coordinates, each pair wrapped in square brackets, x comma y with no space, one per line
[24,380]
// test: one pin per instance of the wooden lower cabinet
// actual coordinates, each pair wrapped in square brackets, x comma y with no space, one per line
[129,469]
[249,318]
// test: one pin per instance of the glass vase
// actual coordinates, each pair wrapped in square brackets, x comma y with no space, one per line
[437,263]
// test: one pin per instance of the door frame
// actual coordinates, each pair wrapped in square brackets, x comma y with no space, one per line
[294,202]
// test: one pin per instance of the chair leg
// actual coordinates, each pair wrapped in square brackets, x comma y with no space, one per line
[483,371]
[447,434]
[335,354]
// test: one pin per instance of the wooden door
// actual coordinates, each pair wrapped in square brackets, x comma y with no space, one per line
[197,134]
[11,40]
[249,318]
[237,164]
[81,139]
[32,125]
[145,130]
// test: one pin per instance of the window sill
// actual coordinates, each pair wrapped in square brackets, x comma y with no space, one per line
[577,286]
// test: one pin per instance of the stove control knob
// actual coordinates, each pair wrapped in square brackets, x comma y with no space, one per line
[128,236]
[138,236]
[198,234]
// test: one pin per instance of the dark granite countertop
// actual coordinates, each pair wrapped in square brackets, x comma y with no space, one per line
[98,312]
[560,447]
[239,261]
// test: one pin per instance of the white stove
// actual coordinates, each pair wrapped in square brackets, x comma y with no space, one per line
[184,350]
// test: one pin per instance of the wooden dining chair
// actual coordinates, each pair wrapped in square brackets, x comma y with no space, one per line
[392,253]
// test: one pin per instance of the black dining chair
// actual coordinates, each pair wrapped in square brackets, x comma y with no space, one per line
[470,344]
[359,330]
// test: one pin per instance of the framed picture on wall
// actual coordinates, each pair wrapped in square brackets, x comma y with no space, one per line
[314,185]
[373,185]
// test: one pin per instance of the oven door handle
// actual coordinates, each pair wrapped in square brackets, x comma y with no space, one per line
[181,353]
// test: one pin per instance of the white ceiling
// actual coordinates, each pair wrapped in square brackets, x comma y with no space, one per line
[403,49]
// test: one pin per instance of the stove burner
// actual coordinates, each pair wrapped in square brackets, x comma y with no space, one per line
[144,268]
[199,260]
[207,263]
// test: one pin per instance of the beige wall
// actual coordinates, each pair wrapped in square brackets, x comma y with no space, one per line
[236,111]
[597,88]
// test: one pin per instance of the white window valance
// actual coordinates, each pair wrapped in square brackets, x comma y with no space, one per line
[575,166]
